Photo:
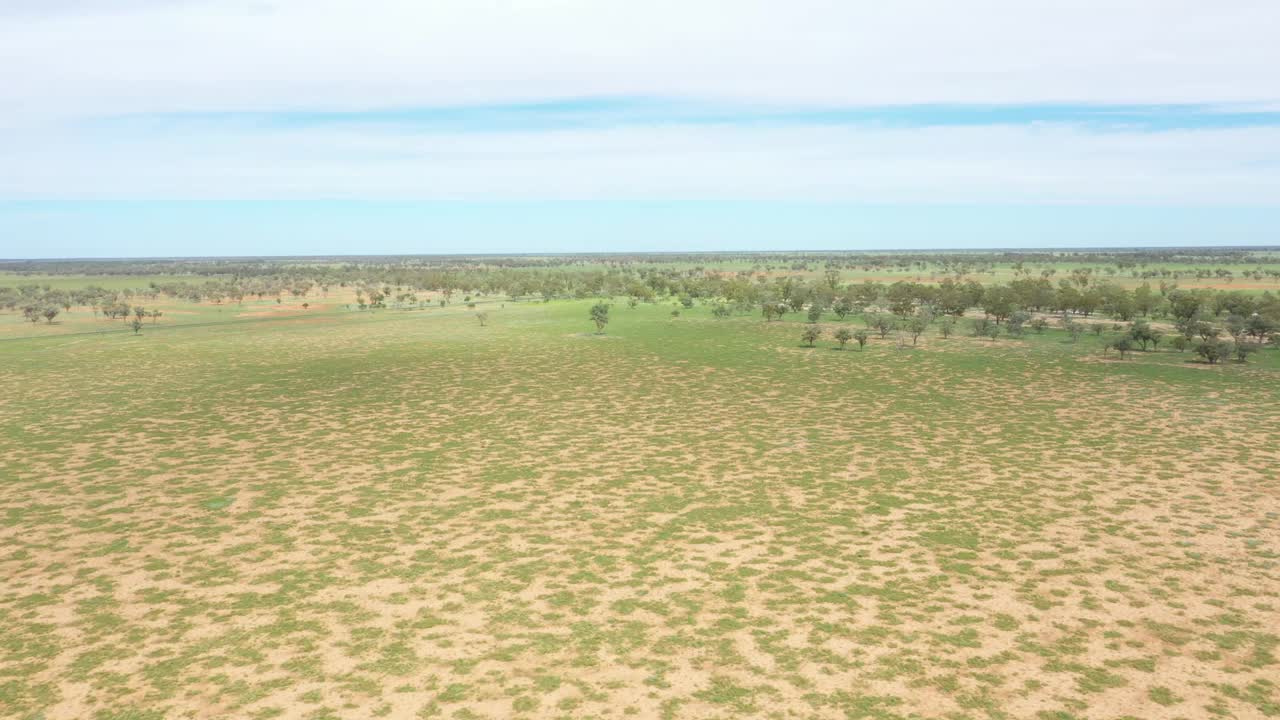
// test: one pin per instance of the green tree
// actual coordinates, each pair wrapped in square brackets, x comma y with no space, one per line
[1122,345]
[1259,327]
[915,327]
[600,316]
[136,325]
[1213,350]
[881,323]
[843,336]
[860,336]
[1072,327]
[811,334]
[774,310]
[1236,326]
[999,302]
[1017,322]
[1141,332]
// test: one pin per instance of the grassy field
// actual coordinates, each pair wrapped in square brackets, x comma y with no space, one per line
[407,515]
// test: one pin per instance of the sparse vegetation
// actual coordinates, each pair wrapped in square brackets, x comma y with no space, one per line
[382,505]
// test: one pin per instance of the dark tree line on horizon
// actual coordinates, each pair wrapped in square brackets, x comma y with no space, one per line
[811,284]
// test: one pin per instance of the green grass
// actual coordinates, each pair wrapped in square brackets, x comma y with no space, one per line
[406,514]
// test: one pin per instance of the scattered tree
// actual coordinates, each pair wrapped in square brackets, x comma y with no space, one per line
[1122,345]
[882,323]
[946,326]
[915,327]
[1213,350]
[600,316]
[843,336]
[811,334]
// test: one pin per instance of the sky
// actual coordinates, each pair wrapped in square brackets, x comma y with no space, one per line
[293,127]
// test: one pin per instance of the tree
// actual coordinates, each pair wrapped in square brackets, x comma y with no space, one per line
[1180,343]
[1236,326]
[1142,333]
[843,336]
[815,312]
[881,323]
[136,325]
[1213,350]
[860,336]
[1242,351]
[842,307]
[307,305]
[600,316]
[155,315]
[981,325]
[483,317]
[774,310]
[720,311]
[832,276]
[1072,327]
[1017,321]
[1039,325]
[999,302]
[1122,345]
[1259,327]
[49,314]
[901,297]
[915,327]
[811,334]
[946,326]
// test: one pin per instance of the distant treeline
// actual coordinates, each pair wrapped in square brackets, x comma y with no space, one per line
[946,262]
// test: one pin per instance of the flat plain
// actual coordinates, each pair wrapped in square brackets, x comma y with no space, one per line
[408,515]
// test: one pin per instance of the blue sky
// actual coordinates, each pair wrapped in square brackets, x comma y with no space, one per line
[133,229]
[209,127]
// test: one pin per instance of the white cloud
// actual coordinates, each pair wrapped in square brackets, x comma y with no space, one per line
[992,164]
[65,61]
[84,57]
